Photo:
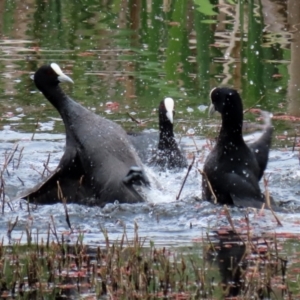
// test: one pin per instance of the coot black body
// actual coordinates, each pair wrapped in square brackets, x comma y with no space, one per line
[162,150]
[234,169]
[99,164]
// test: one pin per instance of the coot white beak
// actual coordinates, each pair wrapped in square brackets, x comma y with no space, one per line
[61,76]
[169,105]
[211,109]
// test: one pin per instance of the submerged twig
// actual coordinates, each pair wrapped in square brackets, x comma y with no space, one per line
[54,230]
[186,176]
[28,206]
[209,186]
[134,119]
[28,231]
[197,149]
[8,158]
[35,128]
[33,168]
[11,227]
[67,214]
[268,202]
[64,201]
[2,192]
[229,219]
[294,142]
[46,165]
[20,157]
[247,109]
[21,180]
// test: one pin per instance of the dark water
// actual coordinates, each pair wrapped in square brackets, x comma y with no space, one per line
[124,57]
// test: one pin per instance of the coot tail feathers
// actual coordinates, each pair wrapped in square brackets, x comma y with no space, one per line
[261,146]
[136,175]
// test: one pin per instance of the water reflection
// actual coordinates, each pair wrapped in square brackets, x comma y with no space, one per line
[294,67]
[136,54]
[229,254]
[248,267]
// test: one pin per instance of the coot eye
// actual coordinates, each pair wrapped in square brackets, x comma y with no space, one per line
[50,72]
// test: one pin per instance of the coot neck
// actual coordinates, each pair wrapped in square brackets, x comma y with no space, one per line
[166,135]
[57,98]
[231,130]
[166,130]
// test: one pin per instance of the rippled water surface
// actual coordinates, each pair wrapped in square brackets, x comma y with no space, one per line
[124,57]
[162,218]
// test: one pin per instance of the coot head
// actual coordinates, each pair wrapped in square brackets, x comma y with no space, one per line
[166,111]
[167,154]
[50,76]
[226,101]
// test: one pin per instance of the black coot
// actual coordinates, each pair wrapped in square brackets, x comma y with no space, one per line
[99,164]
[167,154]
[234,169]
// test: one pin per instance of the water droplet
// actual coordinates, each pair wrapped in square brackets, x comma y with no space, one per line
[190,131]
[202,107]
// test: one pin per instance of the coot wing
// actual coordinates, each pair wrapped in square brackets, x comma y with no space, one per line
[66,181]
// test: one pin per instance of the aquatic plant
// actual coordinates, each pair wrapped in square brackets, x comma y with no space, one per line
[136,269]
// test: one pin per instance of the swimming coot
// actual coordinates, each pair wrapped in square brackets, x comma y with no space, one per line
[99,164]
[166,154]
[234,169]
